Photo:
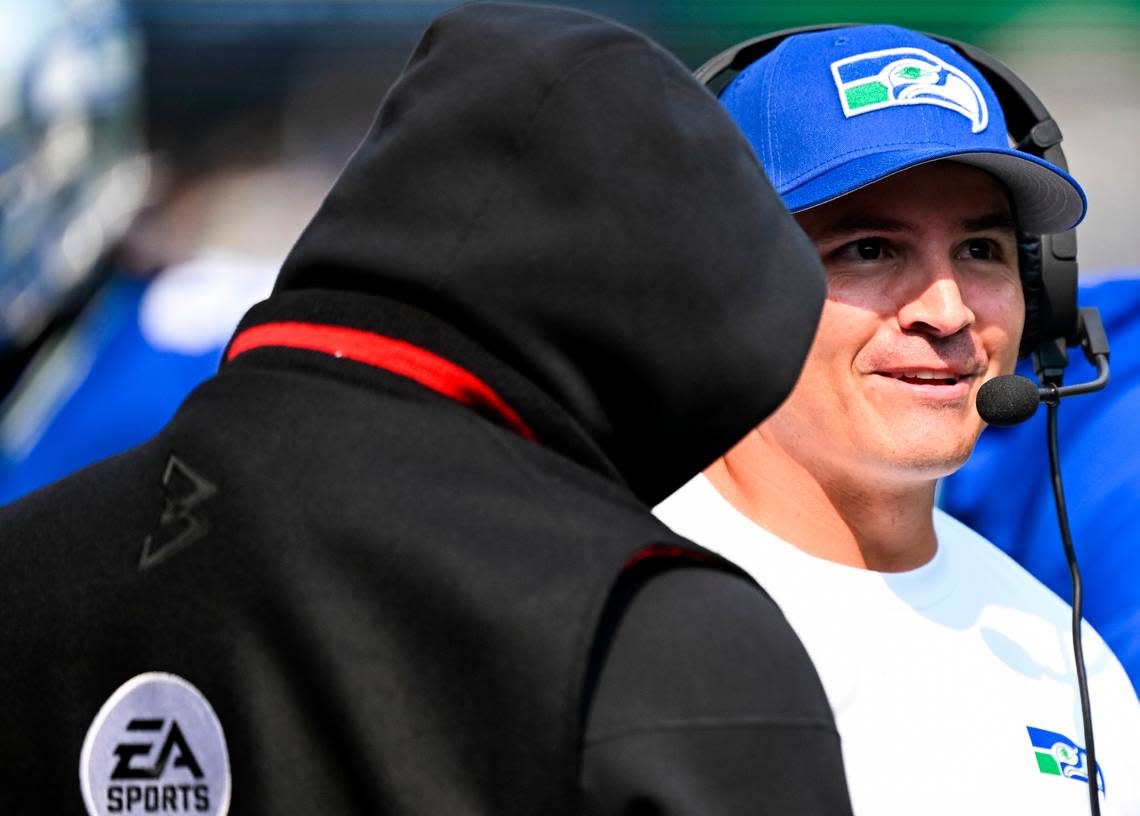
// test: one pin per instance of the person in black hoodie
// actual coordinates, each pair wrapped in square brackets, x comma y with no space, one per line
[396,556]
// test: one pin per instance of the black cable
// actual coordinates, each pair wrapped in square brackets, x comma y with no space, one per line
[1074,570]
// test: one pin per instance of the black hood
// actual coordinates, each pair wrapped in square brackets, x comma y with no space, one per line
[561,191]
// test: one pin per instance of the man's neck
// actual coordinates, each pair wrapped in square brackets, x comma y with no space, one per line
[881,526]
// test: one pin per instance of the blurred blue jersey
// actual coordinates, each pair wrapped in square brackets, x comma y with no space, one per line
[116,376]
[1005,493]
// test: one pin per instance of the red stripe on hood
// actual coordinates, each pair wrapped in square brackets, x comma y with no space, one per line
[397,356]
[666,551]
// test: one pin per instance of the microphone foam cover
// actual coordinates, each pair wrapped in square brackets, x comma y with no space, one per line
[1008,400]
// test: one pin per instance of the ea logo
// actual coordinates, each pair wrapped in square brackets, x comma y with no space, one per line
[155,747]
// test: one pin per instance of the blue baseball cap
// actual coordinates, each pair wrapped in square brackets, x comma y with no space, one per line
[831,111]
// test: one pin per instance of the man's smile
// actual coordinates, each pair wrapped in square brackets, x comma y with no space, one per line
[927,384]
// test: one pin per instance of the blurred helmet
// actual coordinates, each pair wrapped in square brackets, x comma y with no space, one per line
[72,171]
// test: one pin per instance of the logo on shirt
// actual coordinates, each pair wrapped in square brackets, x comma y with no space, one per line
[906,76]
[181,524]
[155,747]
[1060,756]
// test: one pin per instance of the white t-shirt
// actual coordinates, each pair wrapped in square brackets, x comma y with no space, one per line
[953,685]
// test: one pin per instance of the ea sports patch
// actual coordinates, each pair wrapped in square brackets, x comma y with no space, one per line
[155,747]
[907,76]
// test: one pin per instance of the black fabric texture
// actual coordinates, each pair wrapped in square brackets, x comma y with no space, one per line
[696,606]
[692,715]
[538,184]
[395,603]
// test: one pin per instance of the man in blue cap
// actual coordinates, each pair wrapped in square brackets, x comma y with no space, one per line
[947,665]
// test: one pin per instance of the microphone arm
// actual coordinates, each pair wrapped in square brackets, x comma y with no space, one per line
[1052,393]
[1050,359]
[1011,399]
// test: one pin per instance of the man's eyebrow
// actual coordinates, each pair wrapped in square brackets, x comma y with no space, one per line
[860,222]
[865,223]
[1001,220]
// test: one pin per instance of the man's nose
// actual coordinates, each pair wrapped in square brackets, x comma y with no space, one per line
[937,307]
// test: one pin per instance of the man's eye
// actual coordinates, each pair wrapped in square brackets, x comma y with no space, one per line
[980,249]
[866,249]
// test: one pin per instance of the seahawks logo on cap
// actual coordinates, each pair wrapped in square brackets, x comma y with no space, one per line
[906,76]
[155,746]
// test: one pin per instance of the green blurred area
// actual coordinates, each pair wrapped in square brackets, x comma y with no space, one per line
[695,28]
[692,28]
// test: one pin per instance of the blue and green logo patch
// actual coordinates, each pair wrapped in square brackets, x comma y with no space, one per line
[1060,756]
[906,76]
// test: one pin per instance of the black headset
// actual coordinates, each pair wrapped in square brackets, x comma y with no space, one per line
[1048,263]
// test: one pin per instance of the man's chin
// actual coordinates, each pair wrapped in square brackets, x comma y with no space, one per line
[930,453]
[935,467]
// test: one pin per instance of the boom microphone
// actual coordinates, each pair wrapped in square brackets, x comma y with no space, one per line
[1011,399]
[1008,400]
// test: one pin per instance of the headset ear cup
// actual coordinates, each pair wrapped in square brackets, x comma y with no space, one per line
[1059,279]
[1033,285]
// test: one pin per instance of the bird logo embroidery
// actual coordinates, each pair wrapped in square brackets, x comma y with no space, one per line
[907,76]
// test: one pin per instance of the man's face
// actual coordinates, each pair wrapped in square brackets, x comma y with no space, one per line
[924,305]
